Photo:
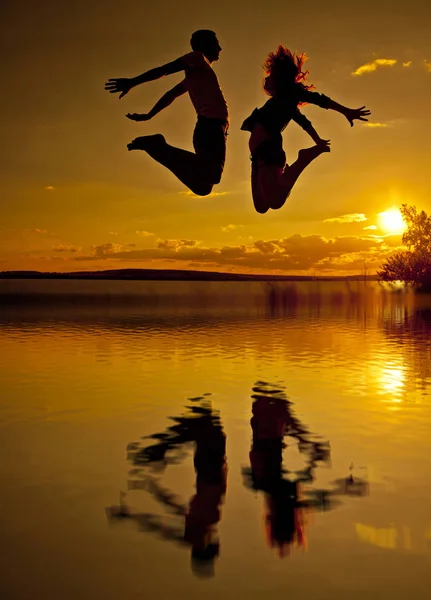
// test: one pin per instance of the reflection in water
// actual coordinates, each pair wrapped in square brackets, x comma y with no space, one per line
[392,380]
[410,334]
[285,499]
[381,537]
[202,427]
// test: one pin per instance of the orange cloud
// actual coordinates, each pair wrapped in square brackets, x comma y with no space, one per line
[108,250]
[350,218]
[230,227]
[373,65]
[189,193]
[376,124]
[65,248]
[176,244]
[145,233]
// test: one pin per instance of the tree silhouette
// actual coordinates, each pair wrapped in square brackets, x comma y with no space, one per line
[412,266]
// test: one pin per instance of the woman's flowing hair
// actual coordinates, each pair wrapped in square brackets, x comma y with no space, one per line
[284,68]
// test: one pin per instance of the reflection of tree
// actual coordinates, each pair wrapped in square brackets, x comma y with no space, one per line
[410,330]
[201,427]
[286,500]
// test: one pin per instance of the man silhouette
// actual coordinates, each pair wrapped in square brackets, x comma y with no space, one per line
[200,170]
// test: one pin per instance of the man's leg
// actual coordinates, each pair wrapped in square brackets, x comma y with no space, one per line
[186,166]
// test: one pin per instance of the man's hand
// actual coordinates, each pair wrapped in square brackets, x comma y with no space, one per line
[357,113]
[325,143]
[122,85]
[138,117]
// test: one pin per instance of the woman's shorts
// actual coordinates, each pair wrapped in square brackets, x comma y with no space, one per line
[270,153]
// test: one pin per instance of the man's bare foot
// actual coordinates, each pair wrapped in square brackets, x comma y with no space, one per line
[146,141]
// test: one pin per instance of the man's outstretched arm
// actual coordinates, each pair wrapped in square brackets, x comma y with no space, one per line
[164,101]
[124,85]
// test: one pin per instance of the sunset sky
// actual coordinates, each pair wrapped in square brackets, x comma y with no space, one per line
[73,198]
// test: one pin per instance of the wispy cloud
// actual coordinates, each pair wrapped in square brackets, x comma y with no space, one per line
[40,231]
[373,227]
[427,64]
[176,244]
[407,64]
[113,233]
[373,65]
[350,218]
[376,125]
[142,233]
[66,248]
[108,250]
[230,227]
[49,188]
[189,193]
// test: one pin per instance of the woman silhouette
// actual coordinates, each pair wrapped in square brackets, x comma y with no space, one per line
[271,178]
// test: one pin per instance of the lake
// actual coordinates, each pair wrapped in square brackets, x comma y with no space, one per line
[146,390]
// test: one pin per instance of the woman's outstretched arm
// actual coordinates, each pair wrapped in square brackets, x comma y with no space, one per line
[350,113]
[324,102]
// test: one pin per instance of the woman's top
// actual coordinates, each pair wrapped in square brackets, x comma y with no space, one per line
[278,111]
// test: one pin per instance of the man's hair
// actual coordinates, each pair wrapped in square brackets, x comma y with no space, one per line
[200,38]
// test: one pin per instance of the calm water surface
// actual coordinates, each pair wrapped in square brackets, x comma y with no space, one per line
[88,369]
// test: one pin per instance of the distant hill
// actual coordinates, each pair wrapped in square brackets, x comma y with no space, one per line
[171,275]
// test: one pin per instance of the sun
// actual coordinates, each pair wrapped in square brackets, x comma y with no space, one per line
[392,222]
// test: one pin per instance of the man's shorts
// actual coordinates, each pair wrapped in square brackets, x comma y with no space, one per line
[209,142]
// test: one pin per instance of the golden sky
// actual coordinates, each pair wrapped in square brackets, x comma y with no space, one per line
[74,198]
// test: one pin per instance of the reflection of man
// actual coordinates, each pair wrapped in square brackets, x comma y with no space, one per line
[204,508]
[203,513]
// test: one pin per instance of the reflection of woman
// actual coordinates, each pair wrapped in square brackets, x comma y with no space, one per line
[282,516]
[201,517]
[283,508]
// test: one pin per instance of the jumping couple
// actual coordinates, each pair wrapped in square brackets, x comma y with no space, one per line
[272,179]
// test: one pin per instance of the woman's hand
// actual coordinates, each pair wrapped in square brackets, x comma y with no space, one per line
[357,113]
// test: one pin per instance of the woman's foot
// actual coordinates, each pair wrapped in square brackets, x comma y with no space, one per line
[308,154]
[146,141]
[305,157]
